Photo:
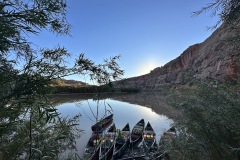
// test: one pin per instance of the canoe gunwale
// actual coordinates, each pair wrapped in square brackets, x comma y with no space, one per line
[121,150]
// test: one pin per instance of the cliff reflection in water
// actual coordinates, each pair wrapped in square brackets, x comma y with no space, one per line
[154,100]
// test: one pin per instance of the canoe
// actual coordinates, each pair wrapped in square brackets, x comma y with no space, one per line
[149,140]
[122,141]
[106,147]
[102,124]
[93,147]
[137,132]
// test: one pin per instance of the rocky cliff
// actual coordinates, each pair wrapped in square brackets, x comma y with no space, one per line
[216,58]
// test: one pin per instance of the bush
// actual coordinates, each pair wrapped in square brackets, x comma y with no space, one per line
[209,128]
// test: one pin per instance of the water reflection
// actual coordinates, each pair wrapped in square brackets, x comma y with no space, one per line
[136,106]
[154,100]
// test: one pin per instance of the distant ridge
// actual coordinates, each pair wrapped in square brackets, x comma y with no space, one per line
[73,82]
[218,57]
[65,82]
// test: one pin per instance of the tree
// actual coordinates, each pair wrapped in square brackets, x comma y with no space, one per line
[19,18]
[227,10]
[25,75]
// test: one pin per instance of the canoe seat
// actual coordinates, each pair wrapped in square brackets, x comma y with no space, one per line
[137,131]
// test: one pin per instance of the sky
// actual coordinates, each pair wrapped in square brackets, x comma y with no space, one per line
[146,33]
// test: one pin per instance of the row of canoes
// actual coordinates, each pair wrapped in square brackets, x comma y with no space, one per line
[93,147]
[112,144]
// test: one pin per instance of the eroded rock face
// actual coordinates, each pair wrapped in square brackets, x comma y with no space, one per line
[216,58]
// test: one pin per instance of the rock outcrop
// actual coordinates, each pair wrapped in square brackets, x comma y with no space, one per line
[215,58]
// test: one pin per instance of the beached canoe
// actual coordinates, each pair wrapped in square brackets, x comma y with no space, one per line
[93,147]
[149,140]
[122,141]
[106,147]
[137,132]
[102,124]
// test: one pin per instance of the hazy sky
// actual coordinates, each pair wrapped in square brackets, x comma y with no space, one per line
[146,33]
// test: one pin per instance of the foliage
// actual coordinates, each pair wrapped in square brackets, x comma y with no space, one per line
[79,89]
[209,128]
[26,72]
[102,73]
[19,18]
[48,140]
[227,10]
[90,89]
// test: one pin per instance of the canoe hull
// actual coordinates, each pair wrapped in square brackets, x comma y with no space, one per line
[107,145]
[120,152]
[149,140]
[108,154]
[122,142]
[137,132]
[93,147]
[103,124]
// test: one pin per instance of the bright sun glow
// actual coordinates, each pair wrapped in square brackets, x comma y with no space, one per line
[147,67]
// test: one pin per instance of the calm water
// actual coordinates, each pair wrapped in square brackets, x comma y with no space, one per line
[124,112]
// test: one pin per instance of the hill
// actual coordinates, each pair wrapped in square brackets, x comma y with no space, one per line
[74,82]
[64,82]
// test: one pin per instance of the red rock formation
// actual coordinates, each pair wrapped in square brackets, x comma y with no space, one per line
[216,58]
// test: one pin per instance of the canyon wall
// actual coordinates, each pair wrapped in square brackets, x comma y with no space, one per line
[215,58]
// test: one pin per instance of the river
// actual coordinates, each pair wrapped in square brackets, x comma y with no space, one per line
[127,108]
